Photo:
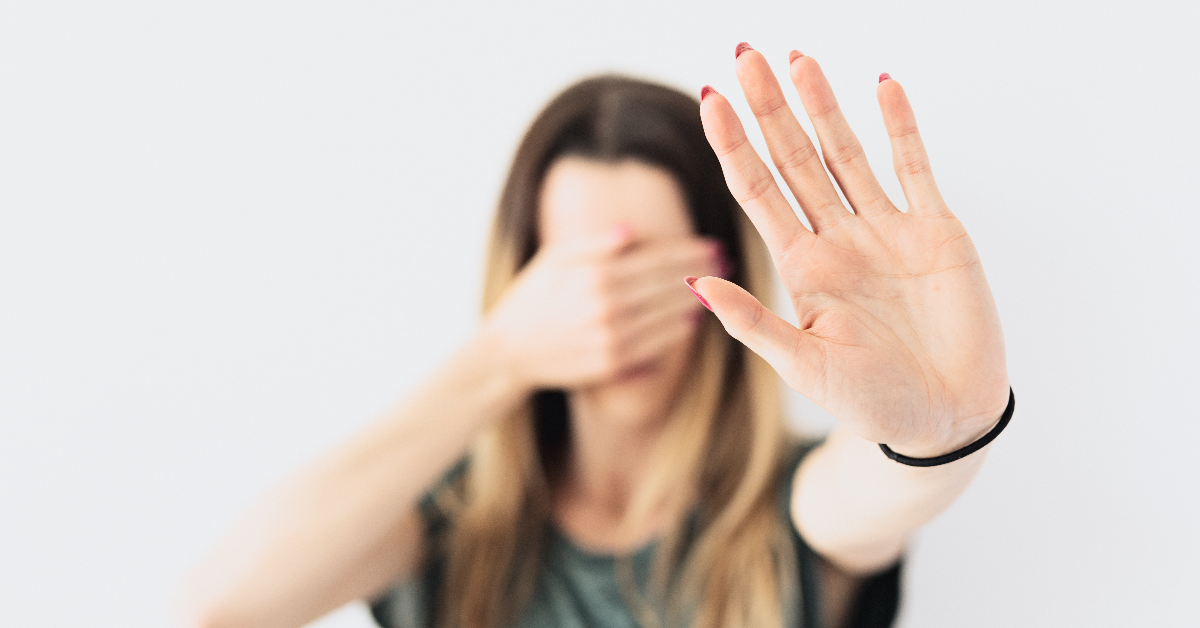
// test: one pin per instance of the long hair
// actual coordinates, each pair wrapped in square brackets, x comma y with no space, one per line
[729,561]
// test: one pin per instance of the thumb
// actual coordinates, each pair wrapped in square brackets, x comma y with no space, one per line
[788,350]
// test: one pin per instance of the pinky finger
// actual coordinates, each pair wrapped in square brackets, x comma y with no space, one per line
[908,151]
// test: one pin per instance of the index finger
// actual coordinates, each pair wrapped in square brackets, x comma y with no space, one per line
[665,259]
[748,177]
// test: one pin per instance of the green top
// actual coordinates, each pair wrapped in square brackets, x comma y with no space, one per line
[577,588]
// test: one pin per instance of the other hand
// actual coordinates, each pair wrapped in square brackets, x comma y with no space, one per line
[589,312]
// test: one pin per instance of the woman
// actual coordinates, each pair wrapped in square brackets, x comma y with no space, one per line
[602,452]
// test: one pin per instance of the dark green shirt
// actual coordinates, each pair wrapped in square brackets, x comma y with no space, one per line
[580,589]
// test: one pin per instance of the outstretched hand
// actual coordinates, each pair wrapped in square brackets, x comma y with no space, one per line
[898,334]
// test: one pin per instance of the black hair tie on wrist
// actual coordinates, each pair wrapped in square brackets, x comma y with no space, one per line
[961,453]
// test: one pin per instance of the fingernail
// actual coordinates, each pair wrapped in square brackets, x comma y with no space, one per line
[885,77]
[705,91]
[796,54]
[691,280]
[742,47]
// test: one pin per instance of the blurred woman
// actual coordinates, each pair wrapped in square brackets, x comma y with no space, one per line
[603,452]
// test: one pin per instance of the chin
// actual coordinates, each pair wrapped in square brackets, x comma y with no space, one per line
[639,395]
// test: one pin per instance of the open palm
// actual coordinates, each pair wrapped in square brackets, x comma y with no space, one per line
[898,333]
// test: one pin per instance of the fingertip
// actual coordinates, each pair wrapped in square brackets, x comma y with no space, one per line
[800,66]
[711,100]
[888,87]
[691,284]
[891,94]
[619,237]
[793,55]
[741,47]
[722,127]
[622,231]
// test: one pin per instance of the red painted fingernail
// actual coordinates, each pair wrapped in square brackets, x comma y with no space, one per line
[885,77]
[742,47]
[796,54]
[691,280]
[705,91]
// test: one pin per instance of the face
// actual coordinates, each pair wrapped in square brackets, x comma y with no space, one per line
[583,199]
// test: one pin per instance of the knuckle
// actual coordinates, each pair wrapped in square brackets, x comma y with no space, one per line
[871,200]
[769,106]
[913,165]
[732,146]
[903,131]
[831,213]
[755,317]
[826,110]
[844,154]
[828,207]
[798,157]
[755,187]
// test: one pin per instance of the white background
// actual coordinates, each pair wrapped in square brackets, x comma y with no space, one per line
[233,233]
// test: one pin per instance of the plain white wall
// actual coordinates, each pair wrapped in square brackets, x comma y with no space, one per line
[232,233]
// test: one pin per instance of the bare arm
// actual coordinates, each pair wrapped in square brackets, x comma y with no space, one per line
[858,509]
[346,526]
[899,337]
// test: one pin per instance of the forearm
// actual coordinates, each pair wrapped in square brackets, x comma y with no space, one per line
[343,527]
[857,508]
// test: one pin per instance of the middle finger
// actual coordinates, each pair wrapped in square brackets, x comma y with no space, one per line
[844,155]
[790,147]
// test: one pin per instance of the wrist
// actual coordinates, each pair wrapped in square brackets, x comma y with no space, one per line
[969,427]
[499,362]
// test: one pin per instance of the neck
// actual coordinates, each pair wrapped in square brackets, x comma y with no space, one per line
[609,460]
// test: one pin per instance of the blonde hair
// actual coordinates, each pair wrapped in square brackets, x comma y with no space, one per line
[729,561]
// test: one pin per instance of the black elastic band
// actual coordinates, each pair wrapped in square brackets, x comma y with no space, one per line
[961,453]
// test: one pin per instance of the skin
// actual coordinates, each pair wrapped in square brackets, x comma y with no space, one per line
[598,311]
[899,336]
[899,339]
[618,418]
